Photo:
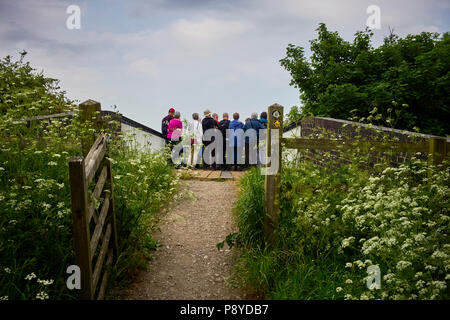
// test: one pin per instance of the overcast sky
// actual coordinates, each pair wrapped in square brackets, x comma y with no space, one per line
[147,56]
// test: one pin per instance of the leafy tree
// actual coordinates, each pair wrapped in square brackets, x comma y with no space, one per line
[24,92]
[410,75]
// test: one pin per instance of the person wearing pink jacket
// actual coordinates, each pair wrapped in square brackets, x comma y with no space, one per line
[175,128]
[174,131]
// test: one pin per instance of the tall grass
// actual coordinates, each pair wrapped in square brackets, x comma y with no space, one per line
[36,243]
[336,220]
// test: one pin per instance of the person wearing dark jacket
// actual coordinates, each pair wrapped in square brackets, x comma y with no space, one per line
[208,123]
[263,119]
[165,124]
[223,126]
[255,125]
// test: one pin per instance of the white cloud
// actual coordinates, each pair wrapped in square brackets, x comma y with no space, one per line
[143,66]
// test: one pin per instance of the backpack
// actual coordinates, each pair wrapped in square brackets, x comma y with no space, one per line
[165,125]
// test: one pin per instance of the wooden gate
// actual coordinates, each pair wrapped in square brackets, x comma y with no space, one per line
[91,230]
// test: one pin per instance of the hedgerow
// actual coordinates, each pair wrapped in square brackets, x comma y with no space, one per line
[36,243]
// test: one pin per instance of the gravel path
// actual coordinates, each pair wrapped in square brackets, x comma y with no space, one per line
[188,265]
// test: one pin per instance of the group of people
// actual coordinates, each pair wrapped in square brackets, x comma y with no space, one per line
[172,130]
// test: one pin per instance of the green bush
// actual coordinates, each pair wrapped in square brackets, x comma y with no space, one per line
[339,76]
[36,243]
[337,219]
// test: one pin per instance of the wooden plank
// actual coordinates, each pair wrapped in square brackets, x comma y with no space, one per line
[93,148]
[101,256]
[196,173]
[214,174]
[99,227]
[102,290]
[94,158]
[111,212]
[96,193]
[78,191]
[272,183]
[379,146]
[91,213]
[204,173]
[238,174]
[51,116]
[100,183]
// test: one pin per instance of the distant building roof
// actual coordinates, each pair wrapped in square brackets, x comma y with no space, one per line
[135,124]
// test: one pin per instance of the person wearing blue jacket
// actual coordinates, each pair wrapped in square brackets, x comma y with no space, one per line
[236,134]
[256,125]
[263,119]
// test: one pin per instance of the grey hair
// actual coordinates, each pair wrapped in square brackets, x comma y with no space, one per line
[177,114]
[254,115]
[195,116]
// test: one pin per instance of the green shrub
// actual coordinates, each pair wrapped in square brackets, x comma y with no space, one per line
[36,243]
[338,219]
[250,207]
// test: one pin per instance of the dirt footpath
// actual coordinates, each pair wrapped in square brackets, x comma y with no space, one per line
[188,265]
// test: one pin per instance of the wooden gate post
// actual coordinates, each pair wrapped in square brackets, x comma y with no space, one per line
[88,111]
[272,185]
[79,195]
[438,151]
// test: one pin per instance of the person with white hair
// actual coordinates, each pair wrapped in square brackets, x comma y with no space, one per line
[255,125]
[195,133]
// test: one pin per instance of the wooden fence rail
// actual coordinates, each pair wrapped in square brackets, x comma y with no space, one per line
[436,147]
[90,229]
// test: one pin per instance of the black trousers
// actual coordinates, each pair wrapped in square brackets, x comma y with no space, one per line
[213,154]
[247,155]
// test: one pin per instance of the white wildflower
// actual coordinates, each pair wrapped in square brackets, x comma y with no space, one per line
[430,267]
[45,282]
[46,206]
[439,285]
[42,295]
[439,254]
[402,265]
[30,276]
[347,241]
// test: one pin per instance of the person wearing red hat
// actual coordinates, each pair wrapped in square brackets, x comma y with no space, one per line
[165,124]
